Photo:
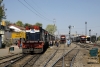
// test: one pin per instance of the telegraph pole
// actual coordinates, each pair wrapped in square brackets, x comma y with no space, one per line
[54,21]
[96,37]
[86,28]
[76,33]
[90,34]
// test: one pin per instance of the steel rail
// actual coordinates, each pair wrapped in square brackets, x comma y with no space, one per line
[67,53]
[62,57]
[51,58]
[71,64]
[14,60]
[1,58]
[30,60]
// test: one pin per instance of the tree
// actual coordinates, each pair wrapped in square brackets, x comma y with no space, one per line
[2,11]
[39,24]
[51,28]
[19,23]
[26,24]
[98,38]
[8,23]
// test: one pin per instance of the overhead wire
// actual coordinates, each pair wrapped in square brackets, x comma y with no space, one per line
[31,10]
[94,27]
[28,8]
[36,10]
[39,14]
[39,8]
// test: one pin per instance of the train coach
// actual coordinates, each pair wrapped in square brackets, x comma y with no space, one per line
[93,38]
[85,39]
[90,39]
[36,41]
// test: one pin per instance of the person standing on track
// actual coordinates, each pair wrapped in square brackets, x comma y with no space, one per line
[51,43]
[57,43]
[54,42]
[68,42]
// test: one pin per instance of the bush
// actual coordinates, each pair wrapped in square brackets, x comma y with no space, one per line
[8,43]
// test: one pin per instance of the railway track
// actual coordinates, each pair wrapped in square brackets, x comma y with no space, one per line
[67,59]
[31,61]
[21,61]
[54,54]
[8,61]
[61,52]
[8,56]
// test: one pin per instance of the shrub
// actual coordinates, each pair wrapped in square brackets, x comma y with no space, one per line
[8,43]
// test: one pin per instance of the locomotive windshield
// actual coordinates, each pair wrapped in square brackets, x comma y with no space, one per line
[33,36]
[62,38]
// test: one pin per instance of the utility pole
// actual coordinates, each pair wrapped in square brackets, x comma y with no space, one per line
[54,21]
[86,28]
[96,37]
[76,33]
[90,34]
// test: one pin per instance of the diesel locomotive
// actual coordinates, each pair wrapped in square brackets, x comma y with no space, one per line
[62,39]
[37,40]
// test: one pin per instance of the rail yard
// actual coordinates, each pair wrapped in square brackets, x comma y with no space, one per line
[30,36]
[76,55]
[36,47]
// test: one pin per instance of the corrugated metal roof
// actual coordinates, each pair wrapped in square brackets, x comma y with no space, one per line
[16,28]
[21,28]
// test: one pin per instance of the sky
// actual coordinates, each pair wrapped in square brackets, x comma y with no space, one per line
[61,12]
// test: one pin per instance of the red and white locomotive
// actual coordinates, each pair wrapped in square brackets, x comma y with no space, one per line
[36,41]
[62,39]
[82,39]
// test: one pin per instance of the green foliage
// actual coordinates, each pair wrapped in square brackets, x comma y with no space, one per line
[26,24]
[19,23]
[51,28]
[2,11]
[39,24]
[8,23]
[8,43]
[98,38]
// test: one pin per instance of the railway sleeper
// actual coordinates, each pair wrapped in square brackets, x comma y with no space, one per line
[32,50]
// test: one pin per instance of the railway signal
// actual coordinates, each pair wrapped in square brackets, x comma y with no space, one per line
[70,30]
